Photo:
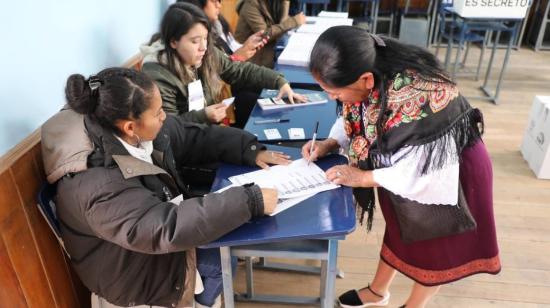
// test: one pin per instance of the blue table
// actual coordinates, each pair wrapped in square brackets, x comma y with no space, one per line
[298,76]
[317,222]
[300,117]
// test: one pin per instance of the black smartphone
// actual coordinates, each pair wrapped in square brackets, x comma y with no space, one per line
[266,34]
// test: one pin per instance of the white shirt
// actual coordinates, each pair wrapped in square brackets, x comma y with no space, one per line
[403,176]
[142,153]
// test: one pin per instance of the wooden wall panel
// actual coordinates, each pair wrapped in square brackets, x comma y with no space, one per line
[37,156]
[8,192]
[28,179]
[11,295]
[34,271]
[24,256]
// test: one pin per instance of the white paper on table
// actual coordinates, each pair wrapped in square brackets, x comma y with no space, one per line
[297,179]
[321,24]
[298,49]
[296,133]
[333,14]
[288,203]
[272,133]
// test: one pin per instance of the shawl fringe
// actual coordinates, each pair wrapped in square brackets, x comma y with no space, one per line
[444,147]
[438,150]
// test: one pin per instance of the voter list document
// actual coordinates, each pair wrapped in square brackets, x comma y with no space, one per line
[294,182]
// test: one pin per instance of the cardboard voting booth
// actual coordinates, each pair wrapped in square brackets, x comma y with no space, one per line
[535,146]
[500,9]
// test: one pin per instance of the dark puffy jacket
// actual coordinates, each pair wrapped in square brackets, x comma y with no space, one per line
[126,240]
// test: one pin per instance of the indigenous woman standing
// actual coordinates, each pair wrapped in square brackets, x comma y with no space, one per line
[410,133]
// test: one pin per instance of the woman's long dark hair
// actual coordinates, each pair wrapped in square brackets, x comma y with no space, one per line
[176,22]
[202,5]
[113,94]
[343,53]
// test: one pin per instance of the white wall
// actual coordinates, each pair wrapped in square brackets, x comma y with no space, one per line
[44,41]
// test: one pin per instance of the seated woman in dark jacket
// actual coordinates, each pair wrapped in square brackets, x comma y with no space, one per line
[115,156]
[188,69]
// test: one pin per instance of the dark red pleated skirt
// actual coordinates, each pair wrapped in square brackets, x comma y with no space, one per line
[443,260]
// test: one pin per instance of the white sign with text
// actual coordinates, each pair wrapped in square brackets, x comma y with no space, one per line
[513,9]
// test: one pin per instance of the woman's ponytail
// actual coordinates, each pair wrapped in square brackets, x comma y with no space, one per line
[80,96]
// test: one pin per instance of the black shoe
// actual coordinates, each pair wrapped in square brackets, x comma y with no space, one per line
[351,299]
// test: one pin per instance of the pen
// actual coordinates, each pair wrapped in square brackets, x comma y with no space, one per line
[271,121]
[313,142]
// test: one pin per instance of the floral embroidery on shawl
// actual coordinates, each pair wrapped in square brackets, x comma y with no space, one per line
[407,95]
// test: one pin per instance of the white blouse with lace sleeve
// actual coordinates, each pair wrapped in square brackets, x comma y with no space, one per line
[338,133]
[403,177]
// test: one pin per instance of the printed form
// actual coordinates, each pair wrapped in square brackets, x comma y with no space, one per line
[294,183]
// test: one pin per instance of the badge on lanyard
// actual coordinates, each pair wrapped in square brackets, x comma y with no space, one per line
[196,95]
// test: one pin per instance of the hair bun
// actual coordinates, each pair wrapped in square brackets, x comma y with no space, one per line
[79,95]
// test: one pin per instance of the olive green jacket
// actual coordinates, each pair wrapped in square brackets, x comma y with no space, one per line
[254,16]
[174,92]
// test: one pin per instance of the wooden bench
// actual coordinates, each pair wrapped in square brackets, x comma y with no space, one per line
[34,272]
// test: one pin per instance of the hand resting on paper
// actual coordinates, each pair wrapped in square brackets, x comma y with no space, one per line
[286,91]
[265,158]
[350,176]
[270,197]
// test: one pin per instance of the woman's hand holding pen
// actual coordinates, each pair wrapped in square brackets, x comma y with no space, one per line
[265,158]
[320,149]
[215,113]
[286,91]
[270,197]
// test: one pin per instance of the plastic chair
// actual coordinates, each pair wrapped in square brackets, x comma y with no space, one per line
[46,206]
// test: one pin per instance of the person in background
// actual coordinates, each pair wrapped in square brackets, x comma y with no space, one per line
[408,132]
[269,16]
[245,95]
[116,159]
[188,69]
[222,36]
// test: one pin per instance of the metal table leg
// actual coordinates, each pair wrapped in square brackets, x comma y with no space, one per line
[449,46]
[375,8]
[461,40]
[433,22]
[485,88]
[327,301]
[227,277]
[339,6]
